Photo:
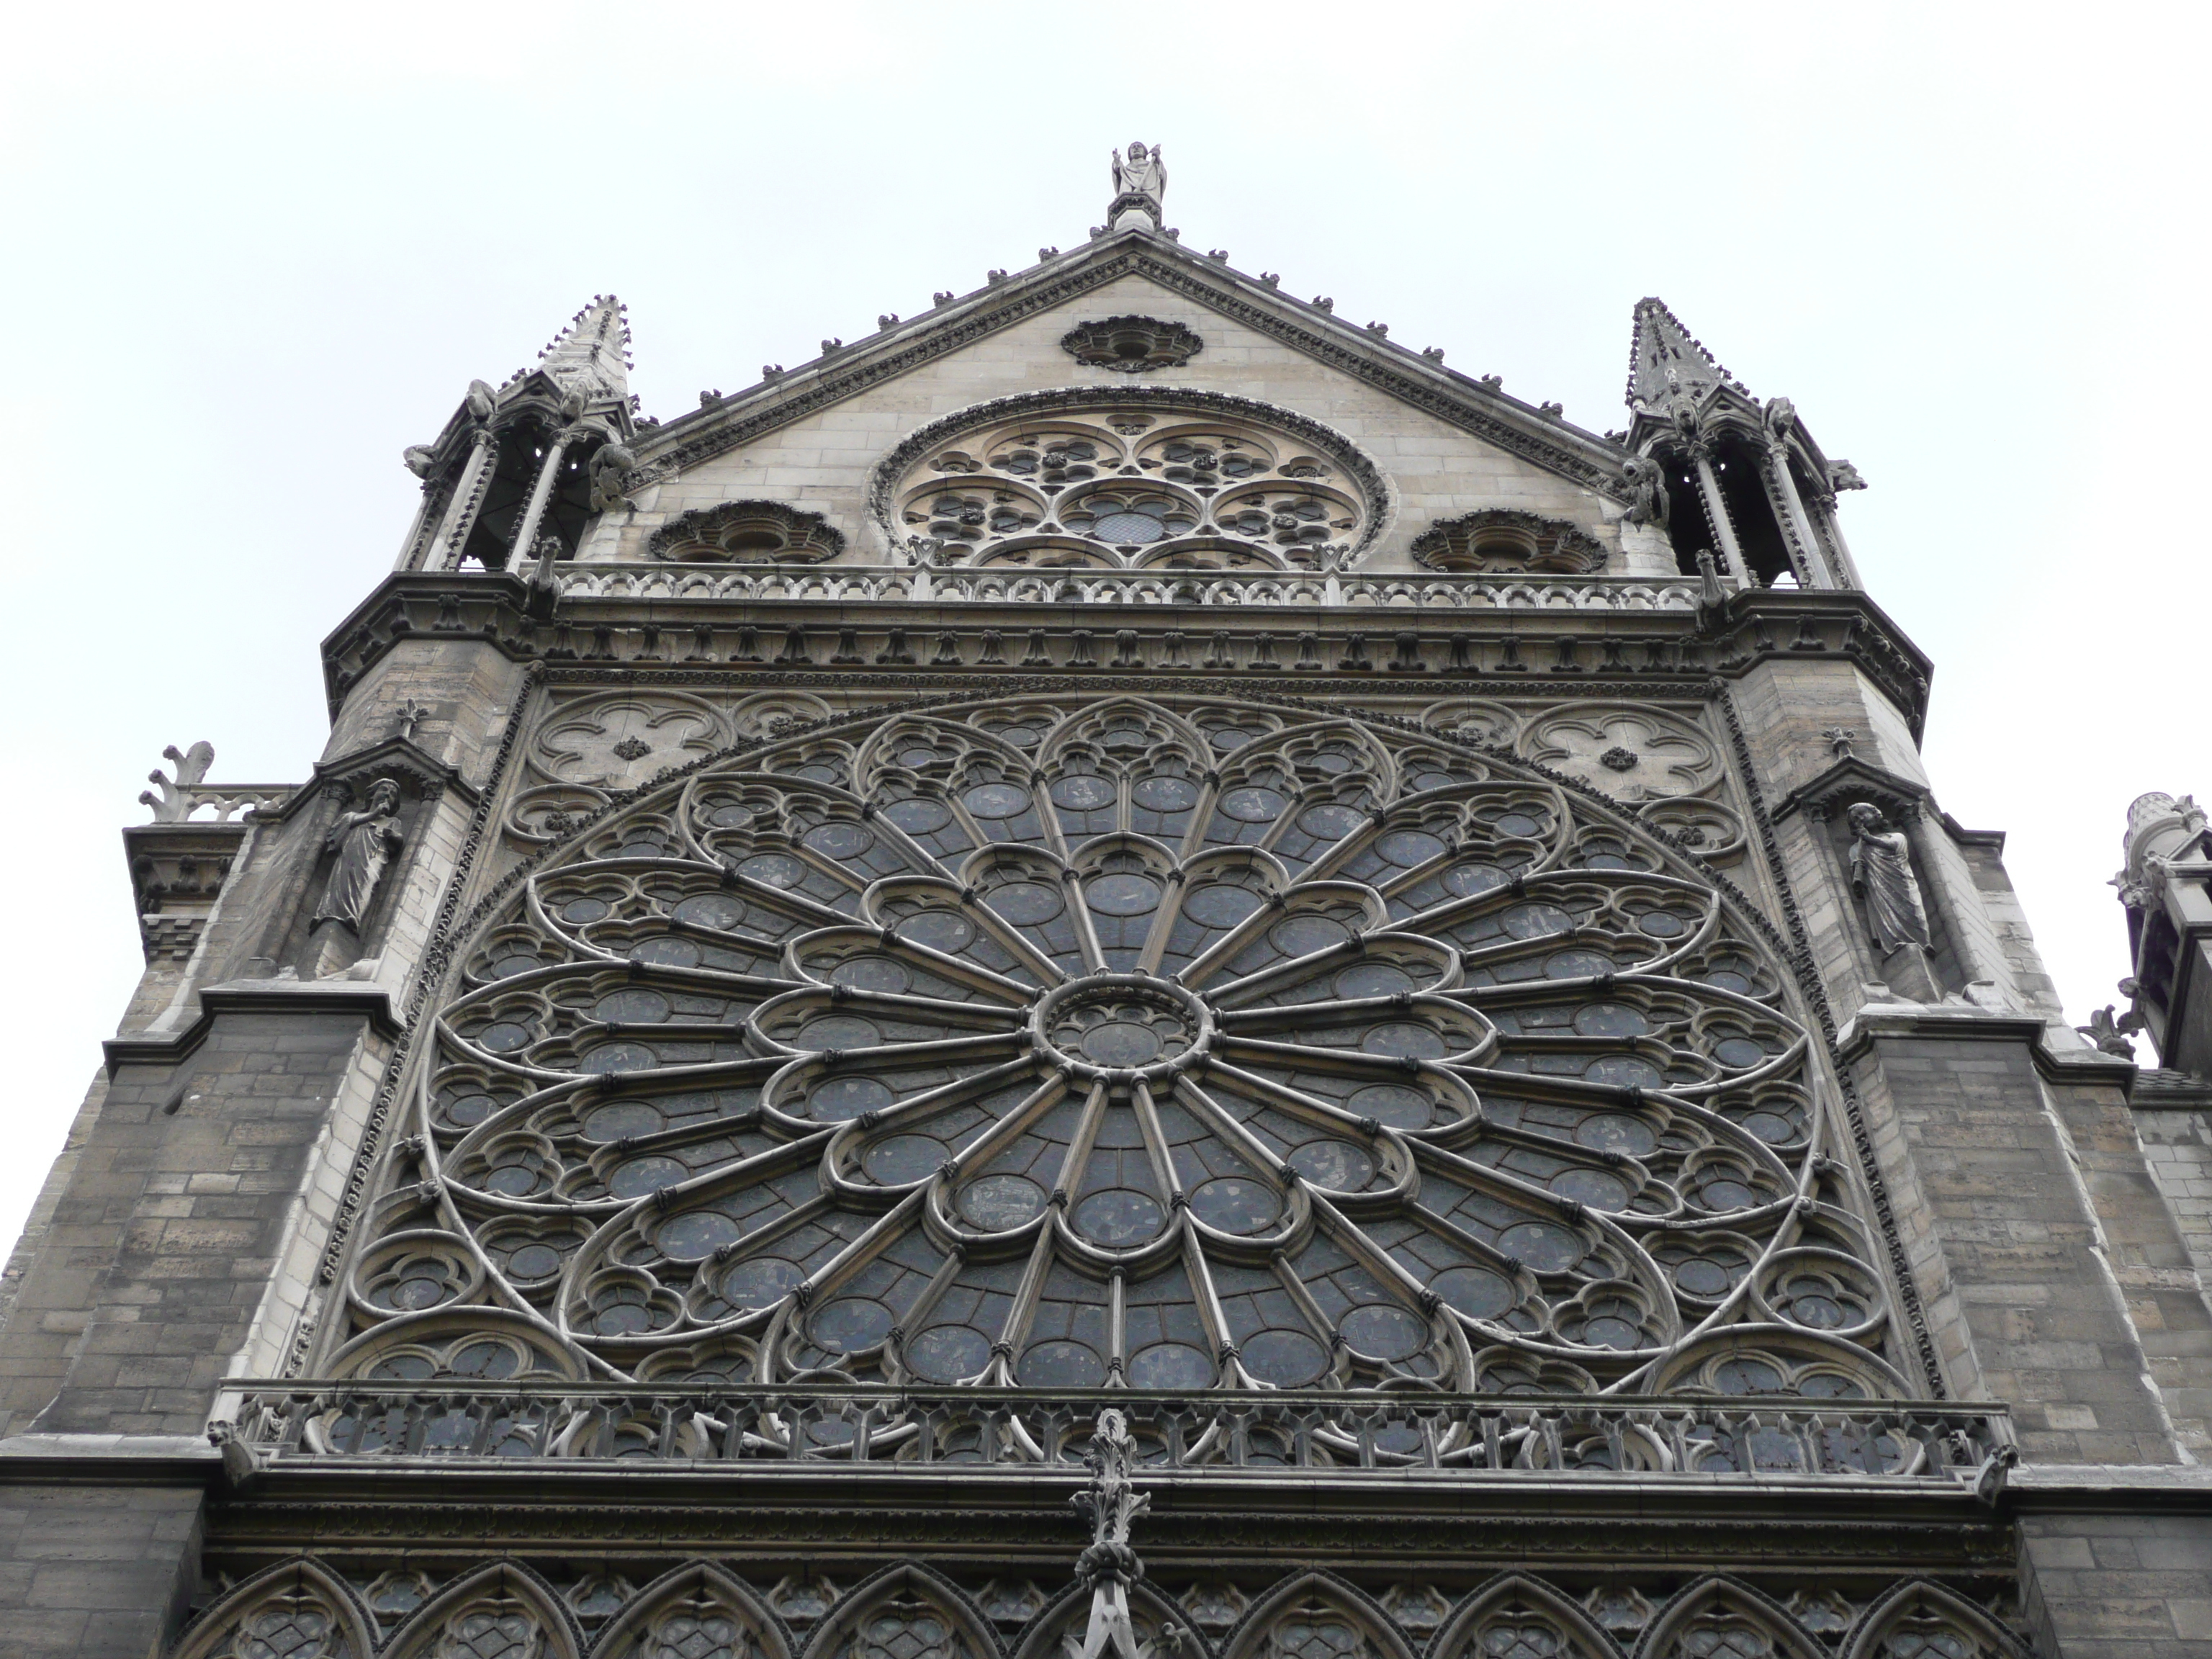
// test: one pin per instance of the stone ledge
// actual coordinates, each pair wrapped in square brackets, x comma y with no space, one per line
[255,996]
[2109,1488]
[1965,1022]
[109,1459]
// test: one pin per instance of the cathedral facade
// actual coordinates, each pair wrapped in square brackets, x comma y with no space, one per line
[1126,890]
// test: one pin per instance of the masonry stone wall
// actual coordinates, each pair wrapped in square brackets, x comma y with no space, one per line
[162,1247]
[95,1571]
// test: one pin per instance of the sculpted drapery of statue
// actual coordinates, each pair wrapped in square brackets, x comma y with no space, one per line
[1142,172]
[364,842]
[1881,873]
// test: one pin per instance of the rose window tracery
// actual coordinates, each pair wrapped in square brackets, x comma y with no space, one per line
[1203,484]
[1174,1043]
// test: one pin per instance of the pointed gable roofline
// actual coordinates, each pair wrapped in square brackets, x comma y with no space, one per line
[1542,439]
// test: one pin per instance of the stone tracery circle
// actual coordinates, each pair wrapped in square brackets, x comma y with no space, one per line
[1174,1043]
[1119,477]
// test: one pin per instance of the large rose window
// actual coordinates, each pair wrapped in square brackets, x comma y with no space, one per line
[1186,481]
[1175,1045]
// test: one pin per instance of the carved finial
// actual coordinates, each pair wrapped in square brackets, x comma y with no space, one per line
[2110,1033]
[175,803]
[412,714]
[1840,738]
[1108,1566]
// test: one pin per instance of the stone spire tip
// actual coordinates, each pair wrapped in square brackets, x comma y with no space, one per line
[591,355]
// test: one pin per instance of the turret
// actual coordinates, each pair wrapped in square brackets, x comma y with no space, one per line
[1726,474]
[2166,886]
[509,478]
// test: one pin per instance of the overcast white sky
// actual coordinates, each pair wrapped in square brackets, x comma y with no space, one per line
[252,252]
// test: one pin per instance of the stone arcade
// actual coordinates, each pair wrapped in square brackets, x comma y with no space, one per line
[1129,888]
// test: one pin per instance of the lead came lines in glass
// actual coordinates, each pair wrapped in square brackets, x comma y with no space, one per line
[991,1035]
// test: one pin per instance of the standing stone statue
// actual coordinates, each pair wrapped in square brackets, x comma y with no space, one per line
[1882,874]
[364,842]
[1141,181]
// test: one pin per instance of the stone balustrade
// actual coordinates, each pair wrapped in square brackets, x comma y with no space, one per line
[1014,586]
[1318,1434]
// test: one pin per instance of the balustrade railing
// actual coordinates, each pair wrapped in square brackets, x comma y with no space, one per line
[1130,587]
[892,1430]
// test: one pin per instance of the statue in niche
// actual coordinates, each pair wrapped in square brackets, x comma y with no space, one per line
[364,842]
[1141,173]
[1882,875]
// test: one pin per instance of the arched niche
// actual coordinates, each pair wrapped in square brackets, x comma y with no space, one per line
[500,1611]
[697,1610]
[1516,1603]
[295,1608]
[905,1611]
[1729,1619]
[1923,1620]
[1316,1615]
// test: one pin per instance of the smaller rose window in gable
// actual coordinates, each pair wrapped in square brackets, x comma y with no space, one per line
[1179,481]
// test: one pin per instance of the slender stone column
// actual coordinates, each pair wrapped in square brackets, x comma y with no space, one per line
[468,497]
[1847,569]
[1709,487]
[1782,488]
[525,531]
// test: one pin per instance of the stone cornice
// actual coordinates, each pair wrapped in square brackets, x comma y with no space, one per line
[1622,1521]
[313,998]
[909,643]
[1952,1022]
[1503,422]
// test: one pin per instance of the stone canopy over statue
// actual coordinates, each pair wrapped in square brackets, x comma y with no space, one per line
[1140,182]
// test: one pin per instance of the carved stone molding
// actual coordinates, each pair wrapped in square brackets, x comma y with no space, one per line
[1533,642]
[1500,539]
[748,532]
[1131,345]
[176,870]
